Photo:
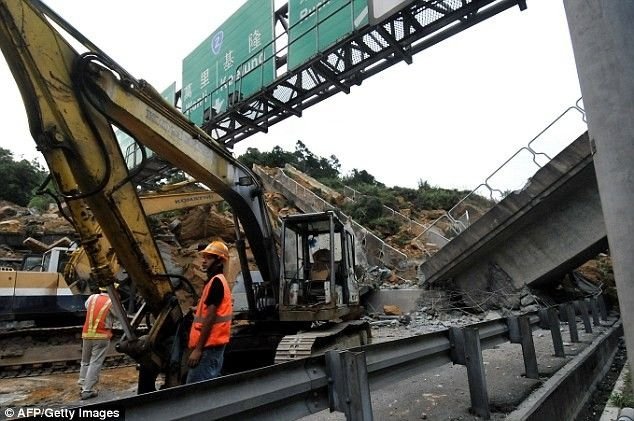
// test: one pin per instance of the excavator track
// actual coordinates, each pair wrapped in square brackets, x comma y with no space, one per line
[39,351]
[327,337]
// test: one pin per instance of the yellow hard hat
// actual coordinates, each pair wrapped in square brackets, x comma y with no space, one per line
[217,248]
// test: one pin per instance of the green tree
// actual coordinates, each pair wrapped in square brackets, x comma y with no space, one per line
[356,178]
[19,178]
[365,209]
[315,166]
[302,159]
[276,158]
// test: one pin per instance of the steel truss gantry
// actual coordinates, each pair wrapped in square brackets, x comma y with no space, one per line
[364,53]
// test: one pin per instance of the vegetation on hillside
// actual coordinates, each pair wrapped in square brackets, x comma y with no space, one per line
[20,179]
[369,208]
[302,159]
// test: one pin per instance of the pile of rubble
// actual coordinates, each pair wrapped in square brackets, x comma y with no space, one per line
[424,311]
[19,224]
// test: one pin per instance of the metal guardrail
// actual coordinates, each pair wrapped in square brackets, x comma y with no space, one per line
[341,380]
[454,217]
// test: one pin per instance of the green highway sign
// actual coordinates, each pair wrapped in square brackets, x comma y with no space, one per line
[234,62]
[380,9]
[169,94]
[316,25]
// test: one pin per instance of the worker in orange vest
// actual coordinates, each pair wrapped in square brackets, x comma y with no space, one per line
[211,328]
[95,341]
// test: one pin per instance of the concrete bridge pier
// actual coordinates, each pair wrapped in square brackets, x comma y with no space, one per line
[602,36]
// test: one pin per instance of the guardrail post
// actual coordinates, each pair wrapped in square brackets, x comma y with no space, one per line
[555,332]
[515,337]
[602,308]
[456,339]
[583,310]
[595,311]
[543,318]
[528,348]
[571,317]
[475,373]
[466,350]
[349,389]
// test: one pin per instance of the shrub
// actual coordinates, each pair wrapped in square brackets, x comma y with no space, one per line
[385,226]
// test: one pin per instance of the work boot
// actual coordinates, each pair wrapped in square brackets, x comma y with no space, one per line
[88,394]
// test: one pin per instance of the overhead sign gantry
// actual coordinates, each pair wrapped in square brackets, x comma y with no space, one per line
[261,67]
[322,47]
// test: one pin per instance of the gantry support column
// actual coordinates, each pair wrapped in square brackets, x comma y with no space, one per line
[602,33]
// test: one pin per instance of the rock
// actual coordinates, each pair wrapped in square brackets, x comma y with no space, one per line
[376,275]
[200,223]
[393,279]
[175,225]
[12,226]
[528,309]
[527,300]
[492,315]
[392,310]
[7,212]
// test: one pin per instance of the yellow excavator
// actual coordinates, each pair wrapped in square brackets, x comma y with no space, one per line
[73,100]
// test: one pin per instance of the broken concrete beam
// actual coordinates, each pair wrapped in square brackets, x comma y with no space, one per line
[35,245]
[62,242]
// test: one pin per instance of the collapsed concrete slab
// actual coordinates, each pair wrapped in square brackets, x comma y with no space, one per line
[533,236]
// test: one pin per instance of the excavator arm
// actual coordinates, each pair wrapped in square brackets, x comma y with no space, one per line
[72,101]
[140,110]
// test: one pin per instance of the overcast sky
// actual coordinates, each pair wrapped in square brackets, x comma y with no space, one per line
[451,118]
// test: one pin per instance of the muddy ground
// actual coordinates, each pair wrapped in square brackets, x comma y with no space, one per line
[63,390]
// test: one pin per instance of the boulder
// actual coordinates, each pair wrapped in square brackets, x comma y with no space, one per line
[7,212]
[391,310]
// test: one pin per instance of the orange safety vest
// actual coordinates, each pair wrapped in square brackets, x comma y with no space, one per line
[96,314]
[221,329]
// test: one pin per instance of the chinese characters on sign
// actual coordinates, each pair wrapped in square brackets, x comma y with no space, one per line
[316,25]
[234,62]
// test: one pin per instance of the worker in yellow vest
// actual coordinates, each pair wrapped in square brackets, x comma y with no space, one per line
[211,328]
[95,341]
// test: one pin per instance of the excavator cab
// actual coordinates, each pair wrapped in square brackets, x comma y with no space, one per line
[317,280]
